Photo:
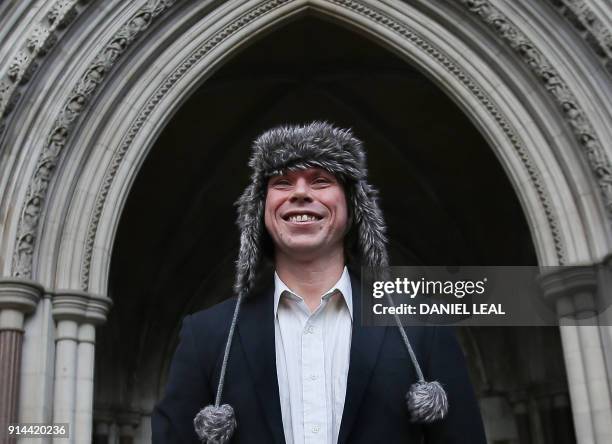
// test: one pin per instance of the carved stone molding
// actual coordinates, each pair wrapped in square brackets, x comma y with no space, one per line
[592,29]
[64,123]
[572,290]
[371,14]
[571,110]
[36,45]
[20,295]
[80,307]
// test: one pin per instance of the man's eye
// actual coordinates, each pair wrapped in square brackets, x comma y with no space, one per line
[281,182]
[321,180]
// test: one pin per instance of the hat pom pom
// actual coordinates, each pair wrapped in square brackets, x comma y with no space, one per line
[427,402]
[215,425]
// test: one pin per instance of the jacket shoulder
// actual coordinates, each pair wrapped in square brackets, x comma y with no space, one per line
[218,313]
[208,329]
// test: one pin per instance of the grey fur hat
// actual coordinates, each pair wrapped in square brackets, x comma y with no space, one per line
[288,148]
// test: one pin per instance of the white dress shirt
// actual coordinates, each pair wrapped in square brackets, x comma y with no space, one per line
[312,361]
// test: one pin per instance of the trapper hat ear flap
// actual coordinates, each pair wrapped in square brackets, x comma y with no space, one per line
[251,224]
[370,224]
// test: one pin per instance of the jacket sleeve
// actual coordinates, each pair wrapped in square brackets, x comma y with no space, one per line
[463,423]
[187,391]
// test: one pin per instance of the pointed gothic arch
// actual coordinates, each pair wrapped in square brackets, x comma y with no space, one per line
[74,141]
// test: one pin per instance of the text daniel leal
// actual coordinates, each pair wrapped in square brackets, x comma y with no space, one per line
[443,309]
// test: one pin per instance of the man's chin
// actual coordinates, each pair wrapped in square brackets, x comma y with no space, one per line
[304,251]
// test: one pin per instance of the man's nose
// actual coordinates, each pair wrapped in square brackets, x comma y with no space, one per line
[301,191]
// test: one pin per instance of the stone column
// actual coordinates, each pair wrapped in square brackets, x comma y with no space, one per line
[101,429]
[126,434]
[535,421]
[605,295]
[544,406]
[128,421]
[521,416]
[573,290]
[17,298]
[76,313]
[143,430]
[563,431]
[85,383]
[113,434]
[65,374]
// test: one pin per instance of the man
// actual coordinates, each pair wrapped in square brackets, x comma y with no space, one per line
[302,369]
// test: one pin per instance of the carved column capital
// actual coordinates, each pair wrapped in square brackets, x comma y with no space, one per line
[81,307]
[573,290]
[18,297]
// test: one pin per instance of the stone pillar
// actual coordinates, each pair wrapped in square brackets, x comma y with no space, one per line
[521,417]
[17,298]
[605,295]
[85,382]
[65,372]
[38,367]
[544,406]
[143,431]
[77,314]
[113,434]
[535,421]
[573,290]
[500,424]
[563,432]
[126,434]
[101,431]
[128,421]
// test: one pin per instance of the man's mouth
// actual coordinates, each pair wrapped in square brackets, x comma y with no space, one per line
[297,218]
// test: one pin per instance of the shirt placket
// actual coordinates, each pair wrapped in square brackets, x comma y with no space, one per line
[314,394]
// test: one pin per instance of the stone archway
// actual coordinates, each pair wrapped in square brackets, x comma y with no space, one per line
[75,140]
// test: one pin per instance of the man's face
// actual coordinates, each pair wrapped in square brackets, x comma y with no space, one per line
[306,213]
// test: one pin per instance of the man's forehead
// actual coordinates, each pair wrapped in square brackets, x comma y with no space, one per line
[310,171]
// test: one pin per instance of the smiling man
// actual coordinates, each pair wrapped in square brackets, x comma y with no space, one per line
[302,368]
[306,216]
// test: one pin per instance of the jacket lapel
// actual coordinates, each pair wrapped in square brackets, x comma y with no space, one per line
[365,345]
[256,332]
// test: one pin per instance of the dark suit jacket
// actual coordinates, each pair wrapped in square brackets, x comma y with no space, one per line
[380,374]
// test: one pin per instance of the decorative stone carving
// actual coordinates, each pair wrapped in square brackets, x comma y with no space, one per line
[370,14]
[62,12]
[558,89]
[17,66]
[40,40]
[25,62]
[5,90]
[73,107]
[591,28]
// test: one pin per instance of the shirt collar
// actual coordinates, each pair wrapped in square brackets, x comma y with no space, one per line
[343,285]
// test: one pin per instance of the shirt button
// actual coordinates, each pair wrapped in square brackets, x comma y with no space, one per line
[315,429]
[310,329]
[313,377]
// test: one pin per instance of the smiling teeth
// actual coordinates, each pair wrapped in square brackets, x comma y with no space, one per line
[302,218]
